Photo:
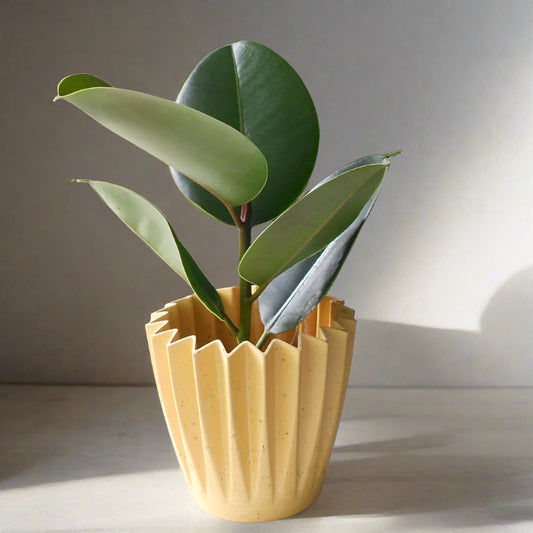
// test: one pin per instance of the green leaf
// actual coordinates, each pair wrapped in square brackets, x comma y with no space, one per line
[254,90]
[310,224]
[77,82]
[148,223]
[292,295]
[210,152]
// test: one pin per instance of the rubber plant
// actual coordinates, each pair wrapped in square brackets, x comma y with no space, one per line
[241,142]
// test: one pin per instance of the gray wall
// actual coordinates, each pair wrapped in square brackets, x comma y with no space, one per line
[442,276]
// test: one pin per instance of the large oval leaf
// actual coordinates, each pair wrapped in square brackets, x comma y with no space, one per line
[291,296]
[211,153]
[254,90]
[310,224]
[148,223]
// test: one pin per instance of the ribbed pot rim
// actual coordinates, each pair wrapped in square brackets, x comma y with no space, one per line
[328,314]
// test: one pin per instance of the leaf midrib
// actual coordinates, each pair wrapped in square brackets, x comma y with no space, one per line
[238,91]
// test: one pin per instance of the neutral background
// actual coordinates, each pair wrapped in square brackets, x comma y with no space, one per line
[442,275]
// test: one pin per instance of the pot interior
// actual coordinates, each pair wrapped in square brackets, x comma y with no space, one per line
[190,317]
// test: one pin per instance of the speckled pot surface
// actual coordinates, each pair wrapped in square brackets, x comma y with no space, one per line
[253,430]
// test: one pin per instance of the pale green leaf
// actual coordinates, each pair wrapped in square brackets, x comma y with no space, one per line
[310,224]
[209,152]
[148,223]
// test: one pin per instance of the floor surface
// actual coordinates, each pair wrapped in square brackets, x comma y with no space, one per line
[98,459]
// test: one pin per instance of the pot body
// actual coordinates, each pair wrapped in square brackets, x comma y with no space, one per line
[253,431]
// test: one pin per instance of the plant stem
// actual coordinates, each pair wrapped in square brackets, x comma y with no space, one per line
[263,339]
[234,330]
[257,292]
[245,239]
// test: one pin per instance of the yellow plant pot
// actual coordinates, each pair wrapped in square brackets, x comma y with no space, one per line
[253,431]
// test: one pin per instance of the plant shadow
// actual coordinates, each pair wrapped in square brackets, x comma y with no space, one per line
[500,354]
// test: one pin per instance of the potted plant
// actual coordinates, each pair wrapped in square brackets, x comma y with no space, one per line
[251,378]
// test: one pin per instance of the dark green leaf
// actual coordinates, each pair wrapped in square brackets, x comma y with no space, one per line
[311,223]
[254,90]
[210,152]
[148,223]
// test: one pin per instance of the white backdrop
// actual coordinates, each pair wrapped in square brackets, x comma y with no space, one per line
[442,275]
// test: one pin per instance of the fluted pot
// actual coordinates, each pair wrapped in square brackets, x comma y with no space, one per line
[253,431]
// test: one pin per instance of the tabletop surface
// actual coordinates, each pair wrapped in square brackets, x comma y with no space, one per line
[415,460]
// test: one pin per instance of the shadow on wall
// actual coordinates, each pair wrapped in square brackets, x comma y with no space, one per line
[500,354]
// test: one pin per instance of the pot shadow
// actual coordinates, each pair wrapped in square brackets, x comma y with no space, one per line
[415,472]
[402,484]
